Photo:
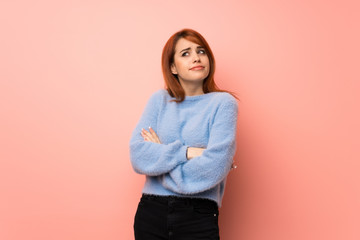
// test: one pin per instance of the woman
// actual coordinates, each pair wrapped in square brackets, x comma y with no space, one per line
[184,143]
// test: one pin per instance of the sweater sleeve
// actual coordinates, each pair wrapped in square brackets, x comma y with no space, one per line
[150,158]
[208,170]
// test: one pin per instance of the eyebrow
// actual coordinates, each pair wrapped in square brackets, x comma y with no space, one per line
[190,48]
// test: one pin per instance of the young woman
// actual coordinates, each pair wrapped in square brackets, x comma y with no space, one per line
[184,143]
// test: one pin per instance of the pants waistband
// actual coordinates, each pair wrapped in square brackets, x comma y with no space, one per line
[183,200]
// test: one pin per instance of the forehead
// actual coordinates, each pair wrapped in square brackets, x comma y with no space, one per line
[183,43]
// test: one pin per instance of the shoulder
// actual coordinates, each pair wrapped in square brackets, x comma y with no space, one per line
[226,108]
[226,105]
[158,95]
[225,99]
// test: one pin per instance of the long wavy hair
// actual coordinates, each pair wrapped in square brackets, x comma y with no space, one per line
[172,83]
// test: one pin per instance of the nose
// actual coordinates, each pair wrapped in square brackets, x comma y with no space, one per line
[196,58]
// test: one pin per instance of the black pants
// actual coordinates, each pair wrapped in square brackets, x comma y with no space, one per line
[174,218]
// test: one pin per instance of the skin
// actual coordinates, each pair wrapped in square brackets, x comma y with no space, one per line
[187,55]
[184,59]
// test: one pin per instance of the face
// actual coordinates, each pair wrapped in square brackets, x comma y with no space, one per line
[191,62]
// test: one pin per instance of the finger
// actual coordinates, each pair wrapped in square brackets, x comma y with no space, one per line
[155,136]
[148,136]
[144,136]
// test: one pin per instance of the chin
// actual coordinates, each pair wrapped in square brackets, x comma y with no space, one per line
[195,78]
[199,78]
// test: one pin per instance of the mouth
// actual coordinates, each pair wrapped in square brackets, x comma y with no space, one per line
[197,68]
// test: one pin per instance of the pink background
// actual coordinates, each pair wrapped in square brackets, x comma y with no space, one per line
[76,75]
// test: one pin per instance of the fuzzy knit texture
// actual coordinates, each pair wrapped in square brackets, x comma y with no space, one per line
[207,121]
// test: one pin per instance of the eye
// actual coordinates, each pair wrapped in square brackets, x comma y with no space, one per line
[184,54]
[202,51]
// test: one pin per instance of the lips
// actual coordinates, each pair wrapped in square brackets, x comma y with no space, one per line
[199,67]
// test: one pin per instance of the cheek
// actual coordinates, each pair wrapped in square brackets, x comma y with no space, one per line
[206,59]
[207,62]
[180,66]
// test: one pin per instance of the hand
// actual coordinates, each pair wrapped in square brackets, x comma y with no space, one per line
[150,135]
[194,152]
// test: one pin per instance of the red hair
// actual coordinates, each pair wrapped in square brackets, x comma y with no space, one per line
[172,83]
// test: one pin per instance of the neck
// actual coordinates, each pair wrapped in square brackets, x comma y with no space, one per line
[192,89]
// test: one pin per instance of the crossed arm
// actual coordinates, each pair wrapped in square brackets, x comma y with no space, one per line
[181,168]
[151,136]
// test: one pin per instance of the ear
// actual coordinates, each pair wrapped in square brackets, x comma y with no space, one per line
[173,68]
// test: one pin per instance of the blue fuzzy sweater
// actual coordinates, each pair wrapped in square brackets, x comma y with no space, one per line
[207,121]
